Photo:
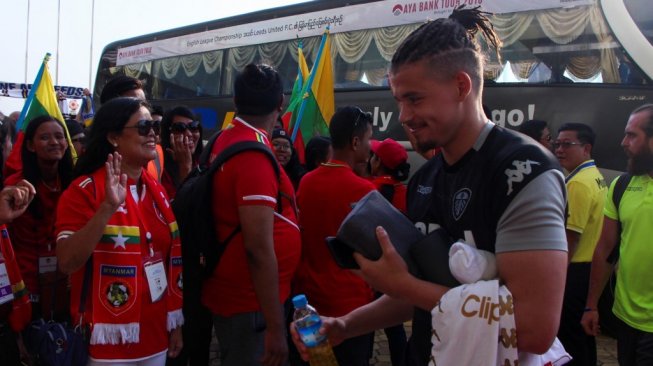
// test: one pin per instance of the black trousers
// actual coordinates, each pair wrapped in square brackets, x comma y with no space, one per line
[8,347]
[197,334]
[634,347]
[580,346]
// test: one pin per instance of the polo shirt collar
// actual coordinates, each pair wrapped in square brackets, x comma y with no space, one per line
[263,133]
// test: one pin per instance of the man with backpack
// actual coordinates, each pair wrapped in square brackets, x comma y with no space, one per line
[586,191]
[253,207]
[627,227]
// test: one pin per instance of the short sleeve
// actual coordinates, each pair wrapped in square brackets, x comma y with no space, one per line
[76,207]
[534,220]
[255,181]
[579,200]
[610,210]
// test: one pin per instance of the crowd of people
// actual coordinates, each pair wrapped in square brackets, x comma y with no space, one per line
[96,243]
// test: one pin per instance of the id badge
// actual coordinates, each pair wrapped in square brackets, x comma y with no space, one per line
[6,294]
[155,273]
[47,264]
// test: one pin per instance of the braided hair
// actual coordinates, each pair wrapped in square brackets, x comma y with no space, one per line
[449,44]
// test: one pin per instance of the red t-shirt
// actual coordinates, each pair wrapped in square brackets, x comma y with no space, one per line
[77,206]
[33,237]
[325,196]
[248,179]
[399,198]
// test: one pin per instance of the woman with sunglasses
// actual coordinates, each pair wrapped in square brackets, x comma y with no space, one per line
[115,221]
[181,138]
[47,164]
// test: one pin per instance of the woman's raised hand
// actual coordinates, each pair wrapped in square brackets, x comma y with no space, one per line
[115,186]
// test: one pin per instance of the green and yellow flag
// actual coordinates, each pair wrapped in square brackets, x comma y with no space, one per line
[312,115]
[42,100]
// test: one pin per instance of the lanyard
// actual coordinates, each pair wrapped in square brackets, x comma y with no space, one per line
[587,164]
[137,200]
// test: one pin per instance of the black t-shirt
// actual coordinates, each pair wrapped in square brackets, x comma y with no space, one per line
[468,198]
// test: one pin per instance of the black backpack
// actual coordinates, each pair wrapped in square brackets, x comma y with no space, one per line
[617,193]
[192,207]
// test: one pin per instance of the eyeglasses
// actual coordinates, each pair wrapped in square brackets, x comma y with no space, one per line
[565,144]
[144,126]
[180,127]
[281,146]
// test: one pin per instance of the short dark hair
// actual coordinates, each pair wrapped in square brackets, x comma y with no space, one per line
[117,85]
[258,90]
[533,128]
[584,133]
[156,109]
[317,150]
[648,127]
[449,44]
[111,117]
[348,122]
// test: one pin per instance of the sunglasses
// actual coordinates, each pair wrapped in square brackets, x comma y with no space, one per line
[144,126]
[180,127]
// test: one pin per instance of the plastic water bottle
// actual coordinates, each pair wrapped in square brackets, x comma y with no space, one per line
[308,323]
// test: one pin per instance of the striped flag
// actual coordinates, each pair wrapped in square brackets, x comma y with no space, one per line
[42,100]
[296,99]
[312,115]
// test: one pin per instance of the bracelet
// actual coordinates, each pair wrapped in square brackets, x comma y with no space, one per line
[588,309]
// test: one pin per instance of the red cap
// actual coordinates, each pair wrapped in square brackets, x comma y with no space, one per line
[390,152]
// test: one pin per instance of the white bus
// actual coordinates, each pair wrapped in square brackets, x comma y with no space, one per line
[588,61]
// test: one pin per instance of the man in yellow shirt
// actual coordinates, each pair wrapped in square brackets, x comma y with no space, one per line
[586,190]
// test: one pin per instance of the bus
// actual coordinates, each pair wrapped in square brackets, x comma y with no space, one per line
[563,61]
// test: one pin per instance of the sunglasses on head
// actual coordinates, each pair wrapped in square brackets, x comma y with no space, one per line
[144,126]
[362,116]
[181,127]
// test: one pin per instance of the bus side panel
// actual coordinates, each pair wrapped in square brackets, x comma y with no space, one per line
[605,108]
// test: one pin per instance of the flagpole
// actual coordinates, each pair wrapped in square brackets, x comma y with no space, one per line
[56,78]
[90,62]
[27,42]
[309,85]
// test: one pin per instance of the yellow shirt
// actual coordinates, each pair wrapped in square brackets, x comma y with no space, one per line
[586,191]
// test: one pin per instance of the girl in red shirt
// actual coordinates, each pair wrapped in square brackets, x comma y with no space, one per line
[47,164]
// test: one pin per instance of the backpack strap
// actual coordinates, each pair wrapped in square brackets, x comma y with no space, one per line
[617,194]
[230,152]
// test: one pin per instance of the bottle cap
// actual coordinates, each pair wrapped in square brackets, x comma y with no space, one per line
[299,301]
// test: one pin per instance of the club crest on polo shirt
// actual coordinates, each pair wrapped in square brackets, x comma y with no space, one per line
[460,201]
[516,175]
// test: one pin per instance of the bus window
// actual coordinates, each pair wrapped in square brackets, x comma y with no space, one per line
[563,45]
[362,57]
[640,11]
[194,75]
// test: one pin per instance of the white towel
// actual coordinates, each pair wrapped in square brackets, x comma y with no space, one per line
[474,324]
[468,264]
